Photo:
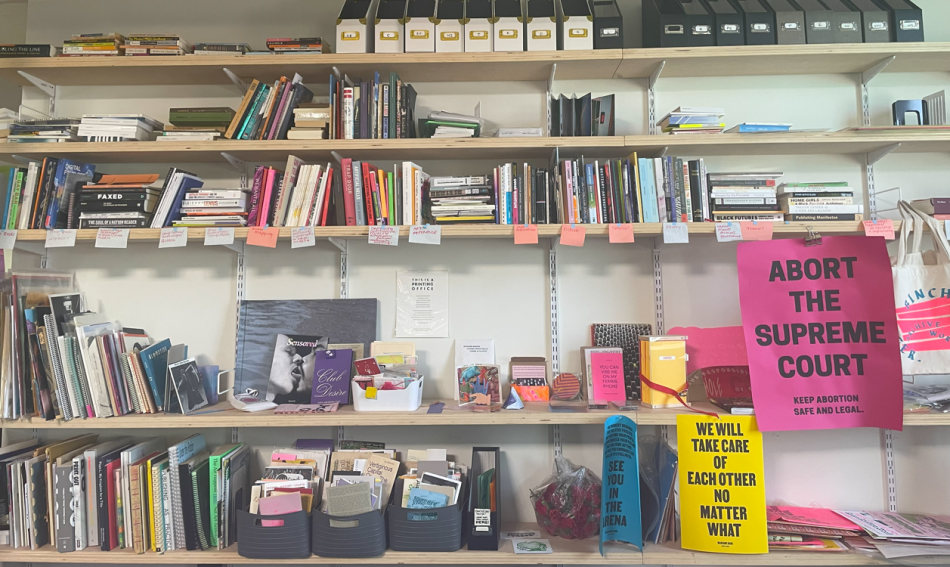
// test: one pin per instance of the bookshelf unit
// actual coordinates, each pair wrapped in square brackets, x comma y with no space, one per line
[689,268]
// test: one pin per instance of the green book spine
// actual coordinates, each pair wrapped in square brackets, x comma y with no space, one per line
[15,199]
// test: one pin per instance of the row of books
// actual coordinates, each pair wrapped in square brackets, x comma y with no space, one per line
[757,196]
[266,111]
[371,109]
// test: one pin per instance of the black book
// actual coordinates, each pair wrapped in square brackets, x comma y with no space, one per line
[634,192]
[696,190]
[300,95]
[27,50]
[115,223]
[731,208]
[410,99]
[102,477]
[338,216]
[188,503]
[117,206]
[41,198]
[93,195]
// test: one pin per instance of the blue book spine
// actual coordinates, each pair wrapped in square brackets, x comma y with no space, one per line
[762,128]
[11,173]
[591,194]
[648,190]
[508,212]
[187,184]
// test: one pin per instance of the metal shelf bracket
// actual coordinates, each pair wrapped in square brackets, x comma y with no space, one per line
[651,99]
[48,88]
[866,77]
[343,245]
[871,159]
[238,164]
[239,83]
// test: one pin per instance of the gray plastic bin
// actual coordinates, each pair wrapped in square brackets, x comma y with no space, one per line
[349,536]
[289,541]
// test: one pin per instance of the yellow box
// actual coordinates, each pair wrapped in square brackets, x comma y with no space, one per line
[662,362]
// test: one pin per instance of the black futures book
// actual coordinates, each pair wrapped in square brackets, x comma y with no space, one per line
[338,320]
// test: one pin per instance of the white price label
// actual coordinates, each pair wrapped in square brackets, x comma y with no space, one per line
[425,234]
[301,237]
[112,238]
[482,517]
[384,235]
[61,238]
[219,236]
[173,237]
[728,232]
[675,233]
[7,239]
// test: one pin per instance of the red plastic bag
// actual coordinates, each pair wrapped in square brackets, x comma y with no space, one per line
[568,504]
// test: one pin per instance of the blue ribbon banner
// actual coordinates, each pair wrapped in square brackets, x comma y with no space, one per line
[620,500]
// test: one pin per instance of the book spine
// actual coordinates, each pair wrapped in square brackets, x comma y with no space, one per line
[385,103]
[348,113]
[349,198]
[695,191]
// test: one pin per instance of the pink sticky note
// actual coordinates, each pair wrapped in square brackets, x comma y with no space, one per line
[573,235]
[879,227]
[526,234]
[260,236]
[620,233]
[756,231]
[607,376]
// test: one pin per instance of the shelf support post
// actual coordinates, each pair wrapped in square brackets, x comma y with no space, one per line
[550,93]
[658,290]
[241,293]
[866,77]
[240,165]
[235,435]
[340,436]
[50,89]
[871,159]
[239,83]
[651,99]
[890,477]
[344,276]
[554,308]
[556,429]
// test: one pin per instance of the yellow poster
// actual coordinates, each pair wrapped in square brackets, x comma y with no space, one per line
[722,484]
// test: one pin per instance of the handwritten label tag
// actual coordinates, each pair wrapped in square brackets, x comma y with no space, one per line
[61,238]
[675,233]
[112,238]
[260,236]
[301,237]
[728,232]
[526,234]
[573,235]
[425,234]
[219,236]
[756,230]
[173,237]
[384,235]
[620,233]
[7,239]
[880,227]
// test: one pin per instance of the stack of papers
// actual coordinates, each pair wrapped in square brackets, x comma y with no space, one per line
[451,125]
[808,529]
[694,120]
[903,535]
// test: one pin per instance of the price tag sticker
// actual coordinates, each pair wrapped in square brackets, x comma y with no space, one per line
[384,235]
[728,232]
[879,227]
[301,237]
[219,236]
[112,238]
[573,235]
[61,238]
[261,236]
[756,230]
[620,233]
[425,234]
[173,237]
[675,233]
[7,239]
[526,234]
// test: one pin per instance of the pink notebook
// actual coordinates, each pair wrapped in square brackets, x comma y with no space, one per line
[820,517]
[277,505]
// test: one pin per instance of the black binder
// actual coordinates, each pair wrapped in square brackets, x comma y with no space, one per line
[908,20]
[482,525]
[677,23]
[818,18]
[728,22]
[758,22]
[789,22]
[846,22]
[876,22]
[608,25]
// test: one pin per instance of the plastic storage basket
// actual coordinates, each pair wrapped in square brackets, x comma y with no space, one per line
[349,536]
[432,529]
[408,399]
[288,541]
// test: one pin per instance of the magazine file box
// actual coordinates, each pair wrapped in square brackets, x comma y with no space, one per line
[479,26]
[354,27]
[420,26]
[481,525]
[450,26]
[542,25]
[608,25]
[789,22]
[509,26]
[390,26]
[664,24]
[575,25]
[846,22]
[876,22]
[408,399]
[818,17]
[363,535]
[288,541]
[758,22]
[728,23]
[908,20]
[432,530]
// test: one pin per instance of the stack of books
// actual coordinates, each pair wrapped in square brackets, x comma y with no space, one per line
[758,128]
[297,45]
[117,127]
[199,124]
[266,110]
[744,197]
[449,125]
[310,122]
[808,529]
[823,201]
[42,195]
[455,200]
[156,44]
[117,201]
[220,49]
[28,50]
[93,44]
[213,207]
[938,207]
[7,119]
[694,120]
[49,130]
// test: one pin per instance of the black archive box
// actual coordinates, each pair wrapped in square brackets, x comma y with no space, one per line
[727,21]
[789,22]
[482,524]
[818,17]
[677,23]
[876,22]
[845,22]
[758,22]
[908,20]
[288,541]
[363,535]
[426,530]
[608,25]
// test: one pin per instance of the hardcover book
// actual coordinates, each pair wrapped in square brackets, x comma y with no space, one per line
[291,373]
[625,336]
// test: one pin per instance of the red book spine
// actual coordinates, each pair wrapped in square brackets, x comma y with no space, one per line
[110,489]
[368,195]
[268,189]
[326,197]
[349,199]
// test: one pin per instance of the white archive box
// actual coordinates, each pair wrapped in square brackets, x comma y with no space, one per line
[479,26]
[542,25]
[420,26]
[390,26]
[575,25]
[509,26]
[354,27]
[407,399]
[450,26]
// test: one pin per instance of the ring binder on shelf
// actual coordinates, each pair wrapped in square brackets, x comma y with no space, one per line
[789,22]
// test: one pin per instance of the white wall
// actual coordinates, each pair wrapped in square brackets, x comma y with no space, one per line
[496,290]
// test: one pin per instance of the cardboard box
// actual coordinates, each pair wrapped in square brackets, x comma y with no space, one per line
[390,26]
[355,27]
[420,26]
[663,363]
[479,25]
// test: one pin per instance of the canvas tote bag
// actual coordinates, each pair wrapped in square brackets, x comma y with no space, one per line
[922,293]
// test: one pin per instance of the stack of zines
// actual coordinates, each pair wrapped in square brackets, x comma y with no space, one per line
[744,197]
[155,44]
[456,200]
[115,201]
[220,49]
[198,124]
[808,529]
[117,127]
[374,109]
[694,120]
[297,45]
[449,125]
[39,131]
[93,45]
[266,110]
[823,201]
[311,122]
[213,207]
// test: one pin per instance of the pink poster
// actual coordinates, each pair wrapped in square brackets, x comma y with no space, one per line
[821,333]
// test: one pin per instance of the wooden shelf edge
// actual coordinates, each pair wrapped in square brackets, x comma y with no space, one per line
[672,554]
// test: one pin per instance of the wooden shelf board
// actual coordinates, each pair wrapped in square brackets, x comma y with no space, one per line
[672,554]
[804,143]
[315,68]
[822,59]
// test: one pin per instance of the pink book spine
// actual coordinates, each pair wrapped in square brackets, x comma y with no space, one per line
[265,204]
[280,111]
